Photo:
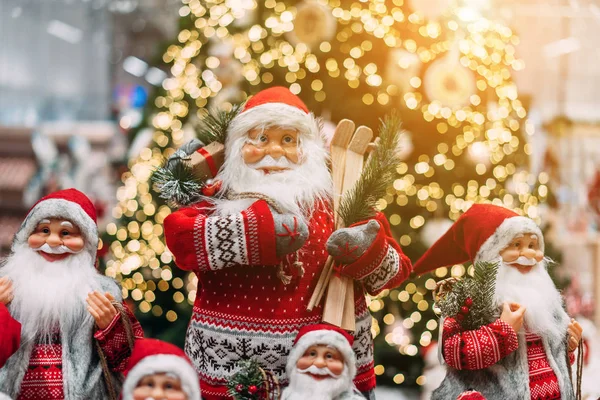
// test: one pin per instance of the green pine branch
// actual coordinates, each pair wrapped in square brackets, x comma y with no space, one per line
[480,290]
[178,184]
[379,172]
[249,375]
[214,125]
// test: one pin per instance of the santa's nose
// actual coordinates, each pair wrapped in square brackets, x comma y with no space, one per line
[320,362]
[529,253]
[54,240]
[275,150]
[158,393]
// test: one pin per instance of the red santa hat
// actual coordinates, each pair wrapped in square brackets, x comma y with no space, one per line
[323,334]
[276,106]
[152,356]
[69,204]
[480,234]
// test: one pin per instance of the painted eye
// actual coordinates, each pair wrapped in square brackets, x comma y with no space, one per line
[531,245]
[288,139]
[313,353]
[169,385]
[65,233]
[46,230]
[329,356]
[518,244]
[262,139]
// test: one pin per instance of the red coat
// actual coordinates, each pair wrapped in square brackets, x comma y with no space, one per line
[10,335]
[242,310]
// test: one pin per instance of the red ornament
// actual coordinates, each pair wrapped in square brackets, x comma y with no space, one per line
[211,188]
[460,317]
[252,389]
[468,302]
[239,387]
[464,310]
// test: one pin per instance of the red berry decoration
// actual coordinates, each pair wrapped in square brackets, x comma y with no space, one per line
[239,387]
[460,317]
[464,310]
[252,389]
[469,302]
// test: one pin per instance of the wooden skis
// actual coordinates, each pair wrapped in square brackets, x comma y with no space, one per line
[347,164]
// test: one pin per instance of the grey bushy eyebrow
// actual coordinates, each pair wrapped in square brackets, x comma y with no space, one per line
[44,221]
[67,224]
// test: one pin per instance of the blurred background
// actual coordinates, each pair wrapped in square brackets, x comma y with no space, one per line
[500,102]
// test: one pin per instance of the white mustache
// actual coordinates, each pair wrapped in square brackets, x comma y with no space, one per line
[522,260]
[318,371]
[62,249]
[268,161]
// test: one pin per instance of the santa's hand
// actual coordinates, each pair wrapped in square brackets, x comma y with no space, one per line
[513,314]
[6,290]
[99,305]
[290,233]
[347,245]
[574,332]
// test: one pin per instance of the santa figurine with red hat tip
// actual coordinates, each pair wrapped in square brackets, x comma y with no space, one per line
[321,365]
[63,305]
[159,370]
[526,352]
[259,244]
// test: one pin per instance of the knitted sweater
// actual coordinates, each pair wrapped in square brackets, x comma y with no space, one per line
[500,364]
[242,310]
[10,335]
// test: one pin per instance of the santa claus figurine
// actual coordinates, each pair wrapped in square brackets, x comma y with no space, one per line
[259,245]
[159,370]
[525,353]
[321,365]
[63,305]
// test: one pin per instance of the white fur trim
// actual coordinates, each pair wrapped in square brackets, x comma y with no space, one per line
[163,363]
[504,234]
[273,114]
[59,208]
[328,338]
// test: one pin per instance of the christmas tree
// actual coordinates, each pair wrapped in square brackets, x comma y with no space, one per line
[448,76]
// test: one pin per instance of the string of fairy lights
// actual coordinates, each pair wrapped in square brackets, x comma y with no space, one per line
[141,260]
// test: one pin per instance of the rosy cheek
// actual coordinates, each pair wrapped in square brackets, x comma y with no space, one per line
[292,155]
[140,393]
[303,363]
[509,255]
[336,367]
[252,154]
[539,255]
[74,243]
[35,241]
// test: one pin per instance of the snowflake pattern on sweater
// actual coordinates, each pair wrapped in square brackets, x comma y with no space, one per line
[242,309]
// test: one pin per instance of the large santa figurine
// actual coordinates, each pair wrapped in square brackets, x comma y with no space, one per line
[273,218]
[526,352]
[63,305]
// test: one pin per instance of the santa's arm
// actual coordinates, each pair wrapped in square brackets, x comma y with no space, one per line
[201,242]
[381,264]
[479,348]
[10,335]
[113,340]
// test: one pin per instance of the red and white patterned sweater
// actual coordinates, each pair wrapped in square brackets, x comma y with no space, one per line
[484,347]
[44,377]
[242,310]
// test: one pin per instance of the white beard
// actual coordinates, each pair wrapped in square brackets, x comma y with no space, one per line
[296,190]
[304,387]
[537,293]
[49,295]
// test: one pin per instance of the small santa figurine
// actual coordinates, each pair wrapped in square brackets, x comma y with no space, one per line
[321,365]
[63,305]
[272,219]
[159,370]
[525,353]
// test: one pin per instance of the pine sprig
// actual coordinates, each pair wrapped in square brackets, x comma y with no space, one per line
[359,203]
[248,383]
[476,293]
[177,183]
[213,127]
